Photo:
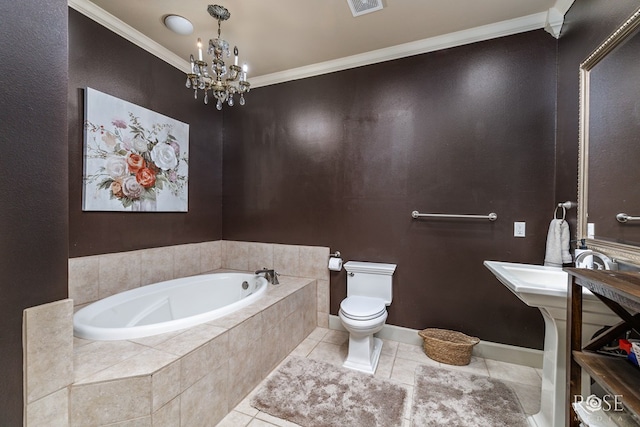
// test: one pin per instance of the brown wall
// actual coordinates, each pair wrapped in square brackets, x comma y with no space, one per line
[33,181]
[587,24]
[102,60]
[342,159]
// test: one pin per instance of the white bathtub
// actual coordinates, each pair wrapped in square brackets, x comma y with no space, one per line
[167,306]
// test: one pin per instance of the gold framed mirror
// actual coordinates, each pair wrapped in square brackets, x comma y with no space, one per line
[609,174]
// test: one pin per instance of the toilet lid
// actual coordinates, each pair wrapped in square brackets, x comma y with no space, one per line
[362,308]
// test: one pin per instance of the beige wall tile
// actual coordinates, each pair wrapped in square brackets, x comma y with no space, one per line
[274,314]
[118,272]
[156,265]
[294,325]
[274,344]
[205,403]
[323,296]
[323,320]
[245,336]
[310,320]
[246,370]
[201,361]
[110,402]
[83,279]
[47,348]
[260,256]
[210,256]
[313,262]
[165,385]
[168,415]
[286,259]
[235,255]
[186,260]
[51,410]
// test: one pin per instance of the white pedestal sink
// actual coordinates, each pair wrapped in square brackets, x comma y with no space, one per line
[546,288]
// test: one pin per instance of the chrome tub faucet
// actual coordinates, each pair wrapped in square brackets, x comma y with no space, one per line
[269,274]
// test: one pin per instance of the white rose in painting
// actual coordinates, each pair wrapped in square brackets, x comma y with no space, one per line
[116,167]
[140,145]
[164,156]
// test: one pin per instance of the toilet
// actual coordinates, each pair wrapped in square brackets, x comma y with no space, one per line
[364,311]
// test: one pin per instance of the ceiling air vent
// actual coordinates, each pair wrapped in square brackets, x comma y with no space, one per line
[360,7]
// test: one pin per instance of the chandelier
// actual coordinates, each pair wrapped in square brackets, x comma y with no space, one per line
[224,81]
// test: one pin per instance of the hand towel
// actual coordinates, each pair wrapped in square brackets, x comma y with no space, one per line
[557,252]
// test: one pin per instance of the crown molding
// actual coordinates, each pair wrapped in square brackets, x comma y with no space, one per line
[107,20]
[555,17]
[459,38]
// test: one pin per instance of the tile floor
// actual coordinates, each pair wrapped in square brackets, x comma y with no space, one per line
[398,362]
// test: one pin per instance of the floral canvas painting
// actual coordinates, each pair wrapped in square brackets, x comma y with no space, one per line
[134,159]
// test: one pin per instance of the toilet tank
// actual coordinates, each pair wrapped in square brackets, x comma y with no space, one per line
[370,279]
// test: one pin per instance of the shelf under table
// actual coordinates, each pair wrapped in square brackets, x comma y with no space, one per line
[616,375]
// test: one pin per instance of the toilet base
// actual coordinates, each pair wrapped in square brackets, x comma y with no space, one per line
[364,354]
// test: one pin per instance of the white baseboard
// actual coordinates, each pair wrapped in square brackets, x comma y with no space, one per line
[486,349]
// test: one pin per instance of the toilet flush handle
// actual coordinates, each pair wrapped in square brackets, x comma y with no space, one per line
[351,273]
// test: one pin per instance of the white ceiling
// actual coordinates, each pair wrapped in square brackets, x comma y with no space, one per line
[275,37]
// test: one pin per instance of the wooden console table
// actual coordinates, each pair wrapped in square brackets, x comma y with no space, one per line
[620,291]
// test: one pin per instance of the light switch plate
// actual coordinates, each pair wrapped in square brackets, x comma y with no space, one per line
[519,229]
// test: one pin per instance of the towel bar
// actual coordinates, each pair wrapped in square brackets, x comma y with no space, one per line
[623,217]
[491,217]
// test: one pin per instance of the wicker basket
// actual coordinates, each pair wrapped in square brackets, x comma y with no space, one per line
[450,347]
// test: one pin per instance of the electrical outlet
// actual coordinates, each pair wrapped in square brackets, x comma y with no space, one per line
[519,229]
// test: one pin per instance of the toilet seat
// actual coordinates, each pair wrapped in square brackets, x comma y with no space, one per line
[362,308]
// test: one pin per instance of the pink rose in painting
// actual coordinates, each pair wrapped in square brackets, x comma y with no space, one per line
[119,123]
[146,177]
[131,188]
[135,162]
[116,189]
[109,140]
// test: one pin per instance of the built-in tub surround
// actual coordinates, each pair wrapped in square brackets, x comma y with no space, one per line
[195,376]
[250,340]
